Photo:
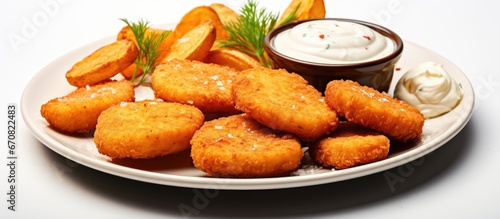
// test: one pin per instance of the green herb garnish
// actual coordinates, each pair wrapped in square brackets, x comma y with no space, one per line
[248,32]
[148,48]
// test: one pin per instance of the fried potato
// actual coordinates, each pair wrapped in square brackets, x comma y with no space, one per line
[350,145]
[78,111]
[127,34]
[206,86]
[102,64]
[232,58]
[226,14]
[197,16]
[129,71]
[283,101]
[163,48]
[239,146]
[195,44]
[307,9]
[146,129]
[368,107]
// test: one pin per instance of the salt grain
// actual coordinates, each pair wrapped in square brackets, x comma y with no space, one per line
[383,99]
[182,40]
[254,147]
[307,170]
[215,77]
[368,94]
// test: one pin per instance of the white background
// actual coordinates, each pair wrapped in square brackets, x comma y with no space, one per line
[459,180]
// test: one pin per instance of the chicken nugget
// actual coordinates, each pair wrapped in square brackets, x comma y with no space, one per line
[103,64]
[239,146]
[146,129]
[78,111]
[206,86]
[350,145]
[379,111]
[283,101]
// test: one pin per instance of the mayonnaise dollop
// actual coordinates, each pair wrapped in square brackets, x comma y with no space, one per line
[430,89]
[333,42]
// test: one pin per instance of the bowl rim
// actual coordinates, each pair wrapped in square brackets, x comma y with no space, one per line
[380,29]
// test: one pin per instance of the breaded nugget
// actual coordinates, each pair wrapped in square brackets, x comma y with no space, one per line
[283,101]
[379,111]
[146,129]
[350,145]
[239,146]
[79,110]
[206,86]
[103,63]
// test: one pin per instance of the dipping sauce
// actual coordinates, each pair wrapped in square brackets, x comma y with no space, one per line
[333,42]
[430,89]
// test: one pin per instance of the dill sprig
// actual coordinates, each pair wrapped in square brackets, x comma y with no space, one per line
[148,48]
[248,32]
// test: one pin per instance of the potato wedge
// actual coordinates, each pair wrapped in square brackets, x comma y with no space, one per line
[197,16]
[163,48]
[307,9]
[226,14]
[103,63]
[195,44]
[128,72]
[126,33]
[79,110]
[232,58]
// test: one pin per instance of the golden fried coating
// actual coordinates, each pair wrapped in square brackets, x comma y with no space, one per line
[78,111]
[146,129]
[283,101]
[239,146]
[379,111]
[206,86]
[350,145]
[103,63]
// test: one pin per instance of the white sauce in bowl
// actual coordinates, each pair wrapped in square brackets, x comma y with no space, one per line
[333,42]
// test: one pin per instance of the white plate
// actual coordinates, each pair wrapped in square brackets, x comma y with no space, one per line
[177,170]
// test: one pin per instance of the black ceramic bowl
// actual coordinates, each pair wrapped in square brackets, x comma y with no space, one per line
[377,73]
